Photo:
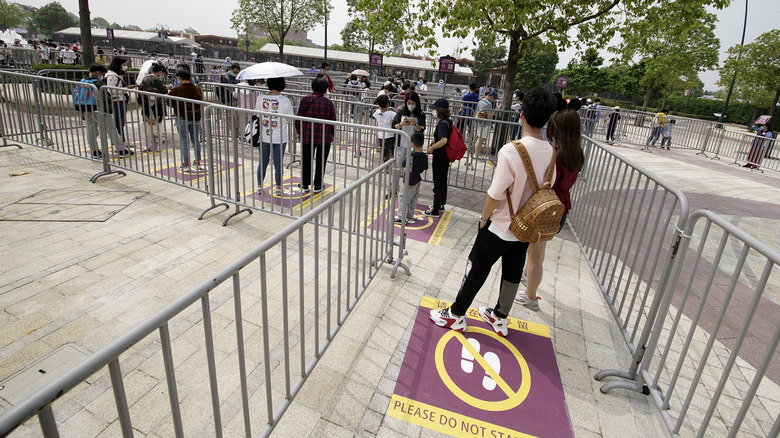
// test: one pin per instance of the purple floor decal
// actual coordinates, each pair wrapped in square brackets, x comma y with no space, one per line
[478,383]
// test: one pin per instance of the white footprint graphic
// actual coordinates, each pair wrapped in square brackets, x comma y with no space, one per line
[492,360]
[467,360]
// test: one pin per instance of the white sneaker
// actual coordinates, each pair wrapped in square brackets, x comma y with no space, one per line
[443,318]
[531,304]
[498,324]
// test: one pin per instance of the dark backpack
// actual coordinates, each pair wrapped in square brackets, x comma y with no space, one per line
[455,147]
[224,94]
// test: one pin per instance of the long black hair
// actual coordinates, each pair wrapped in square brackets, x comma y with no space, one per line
[414,97]
[564,130]
[116,65]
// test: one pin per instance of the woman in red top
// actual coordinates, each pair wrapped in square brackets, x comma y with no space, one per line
[563,131]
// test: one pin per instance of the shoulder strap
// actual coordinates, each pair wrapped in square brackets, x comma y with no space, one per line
[529,166]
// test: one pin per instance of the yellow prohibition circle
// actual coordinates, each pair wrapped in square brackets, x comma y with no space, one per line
[428,222]
[513,398]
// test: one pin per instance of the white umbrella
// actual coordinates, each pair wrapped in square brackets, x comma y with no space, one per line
[265,70]
[146,67]
[361,72]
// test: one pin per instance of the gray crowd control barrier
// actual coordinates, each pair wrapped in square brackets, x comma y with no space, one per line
[281,329]
[711,363]
[701,325]
[627,222]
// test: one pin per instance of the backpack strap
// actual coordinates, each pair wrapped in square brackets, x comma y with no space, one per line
[529,168]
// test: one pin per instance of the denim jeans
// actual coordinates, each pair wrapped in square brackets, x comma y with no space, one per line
[265,157]
[191,128]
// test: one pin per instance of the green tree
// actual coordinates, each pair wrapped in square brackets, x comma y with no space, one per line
[537,66]
[101,23]
[489,57]
[593,22]
[51,18]
[673,58]
[757,68]
[279,17]
[584,74]
[11,15]
[115,26]
[354,37]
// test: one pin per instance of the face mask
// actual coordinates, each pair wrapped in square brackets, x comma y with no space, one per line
[124,68]
[411,107]
[232,75]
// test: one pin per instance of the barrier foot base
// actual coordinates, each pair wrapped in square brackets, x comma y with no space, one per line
[715,158]
[10,146]
[236,213]
[703,153]
[631,386]
[613,373]
[292,163]
[96,176]
[213,206]
[398,264]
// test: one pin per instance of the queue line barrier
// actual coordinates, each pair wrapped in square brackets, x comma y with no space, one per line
[326,259]
[701,326]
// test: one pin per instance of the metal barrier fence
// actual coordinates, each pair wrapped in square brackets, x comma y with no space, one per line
[196,145]
[748,148]
[626,220]
[325,260]
[713,352]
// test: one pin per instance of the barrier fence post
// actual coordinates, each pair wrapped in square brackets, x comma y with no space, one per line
[36,91]
[211,163]
[2,133]
[105,121]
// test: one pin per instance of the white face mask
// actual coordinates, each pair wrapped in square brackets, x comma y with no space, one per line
[124,68]
[411,107]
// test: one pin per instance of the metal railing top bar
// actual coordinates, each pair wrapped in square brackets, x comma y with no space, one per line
[52,391]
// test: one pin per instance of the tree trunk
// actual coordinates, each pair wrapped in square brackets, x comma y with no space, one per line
[774,104]
[666,96]
[281,51]
[647,97]
[513,57]
[87,53]
[753,119]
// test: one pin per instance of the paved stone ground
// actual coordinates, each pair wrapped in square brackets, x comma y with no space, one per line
[94,272]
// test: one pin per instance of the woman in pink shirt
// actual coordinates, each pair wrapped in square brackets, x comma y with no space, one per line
[494,238]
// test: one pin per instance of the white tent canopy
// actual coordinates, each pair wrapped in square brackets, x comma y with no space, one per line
[133,35]
[338,55]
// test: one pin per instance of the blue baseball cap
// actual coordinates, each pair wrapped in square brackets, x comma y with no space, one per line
[440,103]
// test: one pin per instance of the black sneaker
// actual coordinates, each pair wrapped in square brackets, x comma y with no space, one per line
[431,212]
[125,153]
[97,155]
[304,189]
[317,189]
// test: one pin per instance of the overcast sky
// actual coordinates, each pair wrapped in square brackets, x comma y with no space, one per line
[208,17]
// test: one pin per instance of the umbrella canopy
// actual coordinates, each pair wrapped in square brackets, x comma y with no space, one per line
[266,70]
[361,72]
[146,67]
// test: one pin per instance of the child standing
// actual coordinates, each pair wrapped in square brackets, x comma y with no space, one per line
[667,134]
[384,119]
[411,192]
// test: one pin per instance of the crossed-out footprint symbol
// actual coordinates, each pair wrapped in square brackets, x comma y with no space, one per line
[467,363]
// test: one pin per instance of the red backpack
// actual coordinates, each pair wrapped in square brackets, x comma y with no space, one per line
[455,147]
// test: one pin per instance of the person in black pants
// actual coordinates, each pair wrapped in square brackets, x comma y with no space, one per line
[612,125]
[441,164]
